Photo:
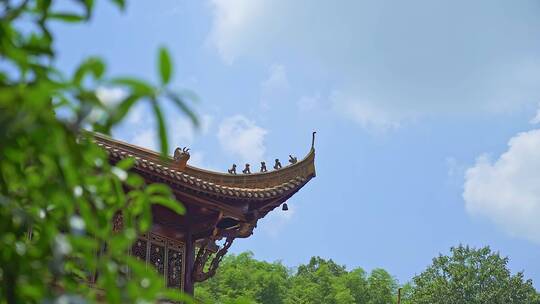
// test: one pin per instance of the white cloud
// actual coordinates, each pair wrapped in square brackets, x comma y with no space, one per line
[182,132]
[277,78]
[241,137]
[364,112]
[536,118]
[140,129]
[111,96]
[138,114]
[394,61]
[230,16]
[206,123]
[507,190]
[197,159]
[273,87]
[145,138]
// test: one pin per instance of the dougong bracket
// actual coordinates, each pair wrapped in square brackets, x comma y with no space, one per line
[199,274]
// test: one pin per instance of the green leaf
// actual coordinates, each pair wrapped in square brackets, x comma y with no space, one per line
[126,163]
[43,5]
[162,131]
[124,107]
[93,66]
[139,87]
[88,7]
[67,17]
[183,107]
[59,193]
[134,180]
[145,219]
[165,66]
[158,189]
[176,295]
[120,3]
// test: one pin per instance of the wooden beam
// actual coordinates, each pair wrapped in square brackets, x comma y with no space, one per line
[189,261]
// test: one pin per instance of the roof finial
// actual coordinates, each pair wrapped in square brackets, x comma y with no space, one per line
[292,159]
[263,167]
[181,157]
[232,170]
[246,170]
[313,140]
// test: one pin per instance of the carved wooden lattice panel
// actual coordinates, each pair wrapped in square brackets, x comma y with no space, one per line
[138,249]
[165,255]
[157,257]
[174,265]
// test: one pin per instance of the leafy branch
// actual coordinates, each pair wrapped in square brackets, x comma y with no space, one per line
[59,194]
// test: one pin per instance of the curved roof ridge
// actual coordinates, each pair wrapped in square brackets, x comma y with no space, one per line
[304,169]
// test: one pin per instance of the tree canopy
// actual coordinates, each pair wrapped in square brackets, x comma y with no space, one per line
[466,276]
[241,277]
[471,276]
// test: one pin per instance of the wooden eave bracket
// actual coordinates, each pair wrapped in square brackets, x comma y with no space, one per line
[204,254]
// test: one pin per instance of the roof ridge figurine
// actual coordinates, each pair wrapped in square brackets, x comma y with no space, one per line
[246,170]
[277,164]
[233,169]
[293,160]
[181,157]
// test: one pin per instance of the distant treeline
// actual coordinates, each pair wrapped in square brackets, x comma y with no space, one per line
[465,276]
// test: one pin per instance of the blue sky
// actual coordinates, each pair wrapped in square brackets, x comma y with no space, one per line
[426,112]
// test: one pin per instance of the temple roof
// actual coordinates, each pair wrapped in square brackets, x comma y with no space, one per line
[272,186]
[218,205]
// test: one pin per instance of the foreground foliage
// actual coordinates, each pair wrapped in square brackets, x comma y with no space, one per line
[58,193]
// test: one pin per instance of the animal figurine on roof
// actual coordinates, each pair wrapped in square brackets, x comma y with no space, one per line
[233,169]
[181,157]
[277,165]
[263,167]
[292,160]
[246,170]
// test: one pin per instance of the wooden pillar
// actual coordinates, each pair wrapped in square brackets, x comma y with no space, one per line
[190,259]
